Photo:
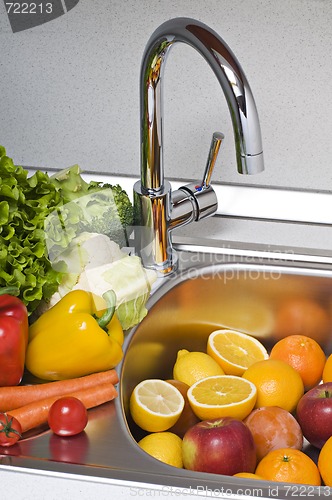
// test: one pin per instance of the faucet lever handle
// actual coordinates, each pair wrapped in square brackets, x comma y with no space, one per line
[217,139]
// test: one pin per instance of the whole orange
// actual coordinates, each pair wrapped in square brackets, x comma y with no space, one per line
[289,466]
[325,462]
[273,428]
[302,316]
[304,354]
[327,372]
[277,384]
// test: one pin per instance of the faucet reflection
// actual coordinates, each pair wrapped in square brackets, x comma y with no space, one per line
[158,210]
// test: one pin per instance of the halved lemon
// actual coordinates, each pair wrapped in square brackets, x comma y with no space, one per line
[155,405]
[222,396]
[235,351]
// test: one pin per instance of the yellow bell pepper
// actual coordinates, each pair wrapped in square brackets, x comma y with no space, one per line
[74,338]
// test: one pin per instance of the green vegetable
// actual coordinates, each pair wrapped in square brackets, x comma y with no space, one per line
[41,215]
[130,281]
[103,208]
[25,203]
[97,264]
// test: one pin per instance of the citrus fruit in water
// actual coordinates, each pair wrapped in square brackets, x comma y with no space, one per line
[192,366]
[277,383]
[235,351]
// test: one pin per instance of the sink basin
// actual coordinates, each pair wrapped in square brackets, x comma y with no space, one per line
[189,306]
[209,291]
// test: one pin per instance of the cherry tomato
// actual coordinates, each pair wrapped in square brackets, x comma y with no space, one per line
[10,430]
[67,416]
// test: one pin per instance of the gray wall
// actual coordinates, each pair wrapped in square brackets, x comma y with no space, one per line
[69,88]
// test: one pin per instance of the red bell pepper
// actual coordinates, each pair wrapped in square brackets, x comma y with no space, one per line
[14,329]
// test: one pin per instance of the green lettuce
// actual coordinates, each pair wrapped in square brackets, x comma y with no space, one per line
[25,202]
[40,216]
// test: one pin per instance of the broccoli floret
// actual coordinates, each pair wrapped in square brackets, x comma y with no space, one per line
[105,209]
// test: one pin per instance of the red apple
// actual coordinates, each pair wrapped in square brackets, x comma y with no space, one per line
[219,446]
[314,414]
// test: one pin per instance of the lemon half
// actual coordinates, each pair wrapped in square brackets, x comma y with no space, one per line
[155,405]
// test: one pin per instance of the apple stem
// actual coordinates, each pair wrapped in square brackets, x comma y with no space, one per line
[327,394]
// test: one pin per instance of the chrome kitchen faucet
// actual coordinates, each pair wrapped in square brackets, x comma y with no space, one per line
[158,209]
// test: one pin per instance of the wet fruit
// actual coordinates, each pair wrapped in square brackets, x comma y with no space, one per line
[304,354]
[220,446]
[187,418]
[192,366]
[277,383]
[248,475]
[327,372]
[325,462]
[222,396]
[273,428]
[235,351]
[164,446]
[289,466]
[314,414]
[155,405]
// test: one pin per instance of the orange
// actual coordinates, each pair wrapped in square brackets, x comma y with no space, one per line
[289,466]
[222,396]
[273,428]
[235,351]
[327,372]
[248,475]
[325,462]
[304,354]
[277,384]
[302,316]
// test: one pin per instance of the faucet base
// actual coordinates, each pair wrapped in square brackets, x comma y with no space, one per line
[151,234]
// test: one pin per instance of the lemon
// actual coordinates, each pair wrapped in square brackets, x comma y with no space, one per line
[164,446]
[249,475]
[192,366]
[235,351]
[155,405]
[222,396]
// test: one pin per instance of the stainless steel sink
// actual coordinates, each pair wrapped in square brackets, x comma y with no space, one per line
[210,290]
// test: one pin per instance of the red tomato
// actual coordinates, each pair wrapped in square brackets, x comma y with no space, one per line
[10,430]
[67,416]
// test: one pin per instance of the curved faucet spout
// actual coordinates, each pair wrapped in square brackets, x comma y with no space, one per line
[248,143]
[158,209]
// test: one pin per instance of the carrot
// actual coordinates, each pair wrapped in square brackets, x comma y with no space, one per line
[36,413]
[17,396]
